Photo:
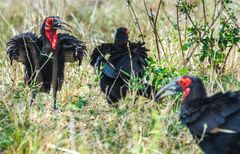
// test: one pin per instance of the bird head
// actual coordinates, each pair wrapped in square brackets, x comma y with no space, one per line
[192,88]
[121,35]
[49,29]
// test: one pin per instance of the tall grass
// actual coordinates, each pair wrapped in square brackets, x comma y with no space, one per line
[85,123]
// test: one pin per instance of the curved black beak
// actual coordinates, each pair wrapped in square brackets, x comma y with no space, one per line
[61,25]
[170,89]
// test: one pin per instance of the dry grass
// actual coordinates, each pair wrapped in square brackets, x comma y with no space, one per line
[137,126]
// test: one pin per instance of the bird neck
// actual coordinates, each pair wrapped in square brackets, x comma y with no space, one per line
[193,93]
[52,37]
[120,44]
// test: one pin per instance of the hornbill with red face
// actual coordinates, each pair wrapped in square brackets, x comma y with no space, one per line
[126,59]
[213,121]
[34,53]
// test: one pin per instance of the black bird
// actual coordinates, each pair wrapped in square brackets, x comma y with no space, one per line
[126,59]
[213,121]
[34,53]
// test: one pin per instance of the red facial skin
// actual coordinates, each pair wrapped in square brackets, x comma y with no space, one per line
[51,33]
[126,32]
[185,82]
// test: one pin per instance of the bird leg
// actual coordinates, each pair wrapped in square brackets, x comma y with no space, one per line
[32,98]
[36,64]
[55,100]
[55,77]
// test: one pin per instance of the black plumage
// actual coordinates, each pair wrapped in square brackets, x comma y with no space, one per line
[34,53]
[22,48]
[126,59]
[213,121]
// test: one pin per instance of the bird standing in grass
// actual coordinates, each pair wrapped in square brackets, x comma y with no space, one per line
[213,121]
[44,57]
[126,59]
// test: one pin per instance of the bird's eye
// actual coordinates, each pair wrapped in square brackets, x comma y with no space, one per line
[184,82]
[180,82]
[49,21]
[126,31]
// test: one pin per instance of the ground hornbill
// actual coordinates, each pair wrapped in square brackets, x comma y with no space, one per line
[213,121]
[42,67]
[126,59]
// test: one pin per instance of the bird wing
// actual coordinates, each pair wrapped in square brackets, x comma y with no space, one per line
[72,48]
[133,61]
[125,59]
[220,112]
[98,54]
[17,46]
[26,48]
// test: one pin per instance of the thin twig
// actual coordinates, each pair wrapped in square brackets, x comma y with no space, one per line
[153,23]
[179,36]
[92,16]
[204,13]
[168,18]
[135,18]
[62,149]
[226,58]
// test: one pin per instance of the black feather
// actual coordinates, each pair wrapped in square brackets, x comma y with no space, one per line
[98,54]
[74,46]
[212,111]
[18,49]
[214,121]
[125,60]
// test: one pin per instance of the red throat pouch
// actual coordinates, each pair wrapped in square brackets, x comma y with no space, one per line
[52,36]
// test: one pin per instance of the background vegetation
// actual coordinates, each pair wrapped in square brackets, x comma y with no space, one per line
[184,37]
